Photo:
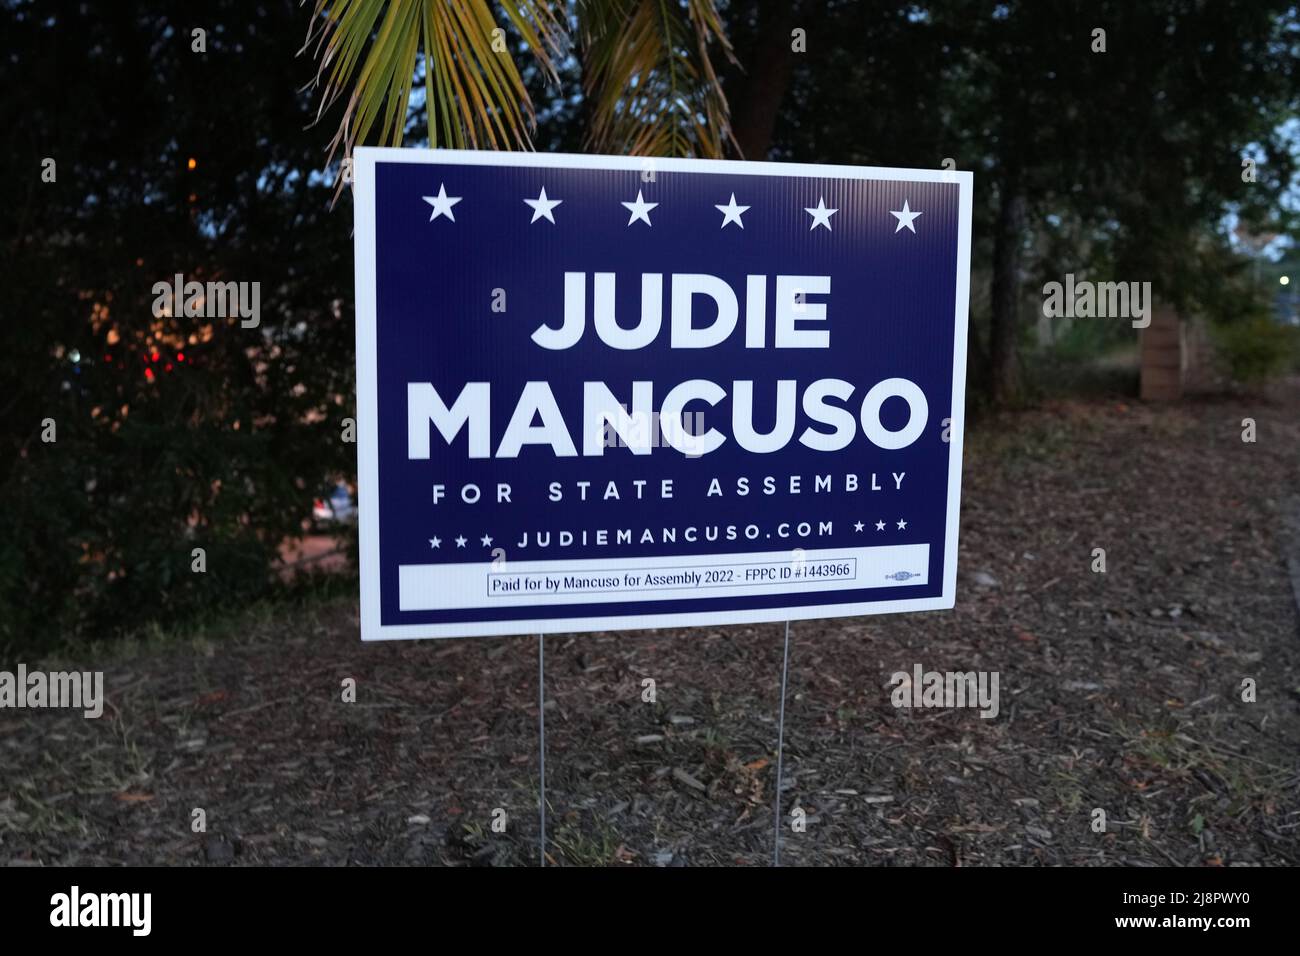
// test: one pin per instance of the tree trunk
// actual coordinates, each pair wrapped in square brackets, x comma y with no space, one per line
[1008,245]
[758,99]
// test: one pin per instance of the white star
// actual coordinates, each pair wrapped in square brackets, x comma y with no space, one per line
[487,540]
[542,207]
[732,213]
[858,526]
[460,541]
[639,209]
[880,526]
[901,524]
[442,203]
[435,542]
[821,215]
[905,217]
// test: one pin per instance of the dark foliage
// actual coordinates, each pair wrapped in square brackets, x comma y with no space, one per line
[172,433]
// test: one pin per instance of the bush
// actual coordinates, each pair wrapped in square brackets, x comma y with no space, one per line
[167,163]
[99,527]
[1258,349]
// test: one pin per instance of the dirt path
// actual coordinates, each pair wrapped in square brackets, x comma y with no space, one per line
[1119,691]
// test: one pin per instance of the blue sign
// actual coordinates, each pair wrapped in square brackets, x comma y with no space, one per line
[600,392]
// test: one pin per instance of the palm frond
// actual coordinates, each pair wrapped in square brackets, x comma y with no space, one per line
[649,76]
[373,51]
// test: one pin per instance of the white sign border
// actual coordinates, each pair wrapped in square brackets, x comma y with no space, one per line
[363,191]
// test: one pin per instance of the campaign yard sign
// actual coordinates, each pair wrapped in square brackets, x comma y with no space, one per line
[600,392]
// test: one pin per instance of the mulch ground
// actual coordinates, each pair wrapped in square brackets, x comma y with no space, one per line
[1120,692]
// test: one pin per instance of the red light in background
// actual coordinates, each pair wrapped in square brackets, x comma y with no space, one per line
[180,356]
[148,373]
[154,357]
[167,367]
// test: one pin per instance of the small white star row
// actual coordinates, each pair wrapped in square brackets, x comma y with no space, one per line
[880,525]
[460,540]
[544,208]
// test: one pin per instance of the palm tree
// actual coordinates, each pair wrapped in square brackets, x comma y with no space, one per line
[648,78]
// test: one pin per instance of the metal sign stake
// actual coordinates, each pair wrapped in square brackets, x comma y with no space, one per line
[780,749]
[541,725]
